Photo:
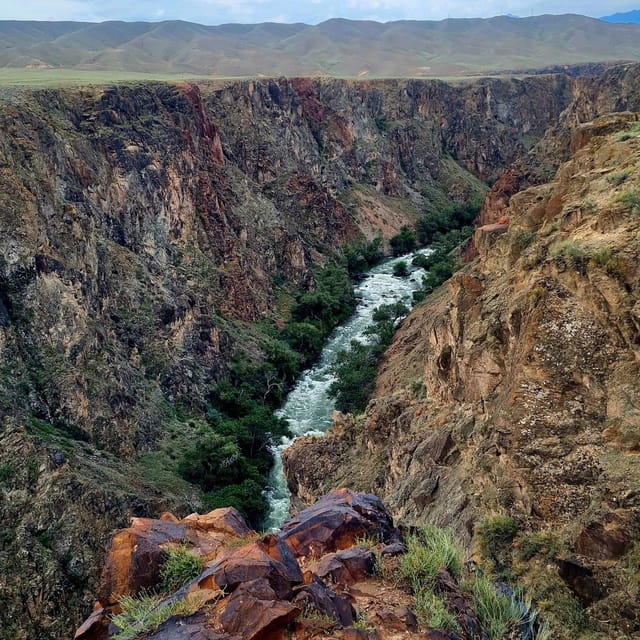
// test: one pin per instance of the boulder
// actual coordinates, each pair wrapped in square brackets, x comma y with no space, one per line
[95,627]
[335,522]
[397,619]
[316,596]
[136,554]
[347,567]
[255,612]
[268,558]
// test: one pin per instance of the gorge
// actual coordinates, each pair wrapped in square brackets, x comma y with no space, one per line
[152,234]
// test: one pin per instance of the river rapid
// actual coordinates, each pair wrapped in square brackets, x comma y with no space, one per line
[308,408]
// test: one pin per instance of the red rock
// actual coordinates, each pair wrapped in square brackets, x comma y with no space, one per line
[347,567]
[335,522]
[603,541]
[397,619]
[318,597]
[253,562]
[136,554]
[254,612]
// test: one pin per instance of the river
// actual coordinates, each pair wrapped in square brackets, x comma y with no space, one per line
[308,408]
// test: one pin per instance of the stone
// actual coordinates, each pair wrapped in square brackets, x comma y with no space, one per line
[95,627]
[136,554]
[347,567]
[335,522]
[255,612]
[253,562]
[602,541]
[579,578]
[318,597]
[394,549]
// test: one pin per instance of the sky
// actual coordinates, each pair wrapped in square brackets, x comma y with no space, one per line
[309,11]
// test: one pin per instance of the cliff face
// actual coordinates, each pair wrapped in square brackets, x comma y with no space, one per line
[142,229]
[513,391]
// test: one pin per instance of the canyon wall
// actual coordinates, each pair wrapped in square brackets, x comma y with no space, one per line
[146,232]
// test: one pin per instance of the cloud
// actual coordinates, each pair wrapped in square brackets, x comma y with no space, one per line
[310,11]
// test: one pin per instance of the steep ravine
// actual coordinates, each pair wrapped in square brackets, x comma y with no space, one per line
[513,392]
[144,230]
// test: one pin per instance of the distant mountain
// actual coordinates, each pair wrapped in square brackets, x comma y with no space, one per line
[335,48]
[630,17]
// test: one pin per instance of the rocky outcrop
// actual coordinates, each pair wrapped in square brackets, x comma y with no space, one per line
[513,390]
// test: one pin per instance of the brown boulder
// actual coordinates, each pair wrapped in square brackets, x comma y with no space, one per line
[193,628]
[347,567]
[316,596]
[458,605]
[269,559]
[255,612]
[136,554]
[397,619]
[580,580]
[335,522]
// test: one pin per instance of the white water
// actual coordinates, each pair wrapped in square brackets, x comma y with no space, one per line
[308,408]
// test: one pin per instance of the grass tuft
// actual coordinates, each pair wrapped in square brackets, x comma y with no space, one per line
[181,566]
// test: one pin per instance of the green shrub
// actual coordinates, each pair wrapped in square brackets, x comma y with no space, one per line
[631,200]
[247,497]
[6,471]
[181,566]
[355,368]
[403,242]
[400,269]
[522,238]
[616,179]
[498,613]
[496,536]
[540,543]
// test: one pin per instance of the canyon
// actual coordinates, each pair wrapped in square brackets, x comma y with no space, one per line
[149,232]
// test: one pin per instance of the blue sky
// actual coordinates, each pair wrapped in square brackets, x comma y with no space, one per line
[309,11]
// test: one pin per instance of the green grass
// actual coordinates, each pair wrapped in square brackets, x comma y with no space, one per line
[432,551]
[432,612]
[498,614]
[631,200]
[180,567]
[144,613]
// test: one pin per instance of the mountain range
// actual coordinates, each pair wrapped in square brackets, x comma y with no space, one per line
[337,47]
[629,17]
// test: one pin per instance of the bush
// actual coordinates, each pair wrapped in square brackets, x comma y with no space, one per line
[400,269]
[355,368]
[246,497]
[498,613]
[403,242]
[432,612]
[180,567]
[631,200]
[496,535]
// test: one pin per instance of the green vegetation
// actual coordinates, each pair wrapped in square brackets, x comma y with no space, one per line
[496,536]
[403,242]
[230,456]
[355,368]
[145,613]
[432,612]
[431,551]
[616,179]
[631,200]
[451,216]
[181,566]
[400,269]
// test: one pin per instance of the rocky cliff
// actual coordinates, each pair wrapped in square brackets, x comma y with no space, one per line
[507,404]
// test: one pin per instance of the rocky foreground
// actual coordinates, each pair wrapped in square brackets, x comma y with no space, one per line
[327,574]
